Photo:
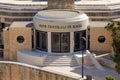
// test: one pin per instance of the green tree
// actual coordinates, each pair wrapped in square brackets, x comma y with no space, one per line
[110,77]
[115,33]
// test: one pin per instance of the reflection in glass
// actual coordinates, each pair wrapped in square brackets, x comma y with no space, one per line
[61,42]
[55,42]
[41,40]
[65,42]
[78,42]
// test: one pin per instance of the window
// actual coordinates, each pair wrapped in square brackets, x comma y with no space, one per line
[101,39]
[60,42]
[20,39]
[41,40]
[79,43]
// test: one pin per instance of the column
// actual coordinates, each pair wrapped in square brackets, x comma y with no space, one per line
[34,36]
[49,42]
[71,42]
[87,33]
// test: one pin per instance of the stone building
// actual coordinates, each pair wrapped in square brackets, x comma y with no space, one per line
[48,34]
[35,33]
[52,32]
[71,24]
[100,13]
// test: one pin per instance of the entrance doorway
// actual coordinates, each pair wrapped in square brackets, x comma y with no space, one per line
[60,42]
[79,43]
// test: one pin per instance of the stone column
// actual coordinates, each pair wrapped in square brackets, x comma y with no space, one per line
[71,42]
[49,42]
[87,33]
[34,36]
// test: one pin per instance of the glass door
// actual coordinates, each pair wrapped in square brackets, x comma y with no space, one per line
[41,40]
[60,42]
[55,42]
[65,42]
[79,43]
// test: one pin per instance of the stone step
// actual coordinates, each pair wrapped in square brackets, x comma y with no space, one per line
[60,61]
[60,64]
[56,62]
[61,54]
[59,57]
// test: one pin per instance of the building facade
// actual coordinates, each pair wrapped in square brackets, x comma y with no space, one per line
[49,32]
[100,12]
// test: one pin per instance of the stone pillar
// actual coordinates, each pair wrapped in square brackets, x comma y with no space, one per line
[87,34]
[6,44]
[60,4]
[34,36]
[49,42]
[71,42]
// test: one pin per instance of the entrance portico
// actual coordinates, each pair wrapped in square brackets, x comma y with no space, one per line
[60,31]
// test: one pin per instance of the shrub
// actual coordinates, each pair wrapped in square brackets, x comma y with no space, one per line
[115,33]
[109,77]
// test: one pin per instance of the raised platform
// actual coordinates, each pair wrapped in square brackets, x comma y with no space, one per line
[41,58]
[31,57]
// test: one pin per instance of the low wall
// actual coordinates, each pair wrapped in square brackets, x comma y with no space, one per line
[79,58]
[105,59]
[30,57]
[19,71]
[107,63]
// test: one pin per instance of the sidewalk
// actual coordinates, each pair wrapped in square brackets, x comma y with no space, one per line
[76,71]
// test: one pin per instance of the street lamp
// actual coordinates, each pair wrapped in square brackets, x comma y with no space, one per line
[83,48]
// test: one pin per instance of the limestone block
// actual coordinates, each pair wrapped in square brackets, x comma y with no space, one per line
[60,4]
[11,45]
[95,32]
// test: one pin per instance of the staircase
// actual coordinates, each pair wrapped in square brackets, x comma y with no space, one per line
[60,60]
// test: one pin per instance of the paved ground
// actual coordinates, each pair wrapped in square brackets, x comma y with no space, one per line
[95,73]
[76,71]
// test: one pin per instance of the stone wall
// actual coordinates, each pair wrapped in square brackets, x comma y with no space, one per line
[11,45]
[60,4]
[95,45]
[107,62]
[19,71]
[6,44]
